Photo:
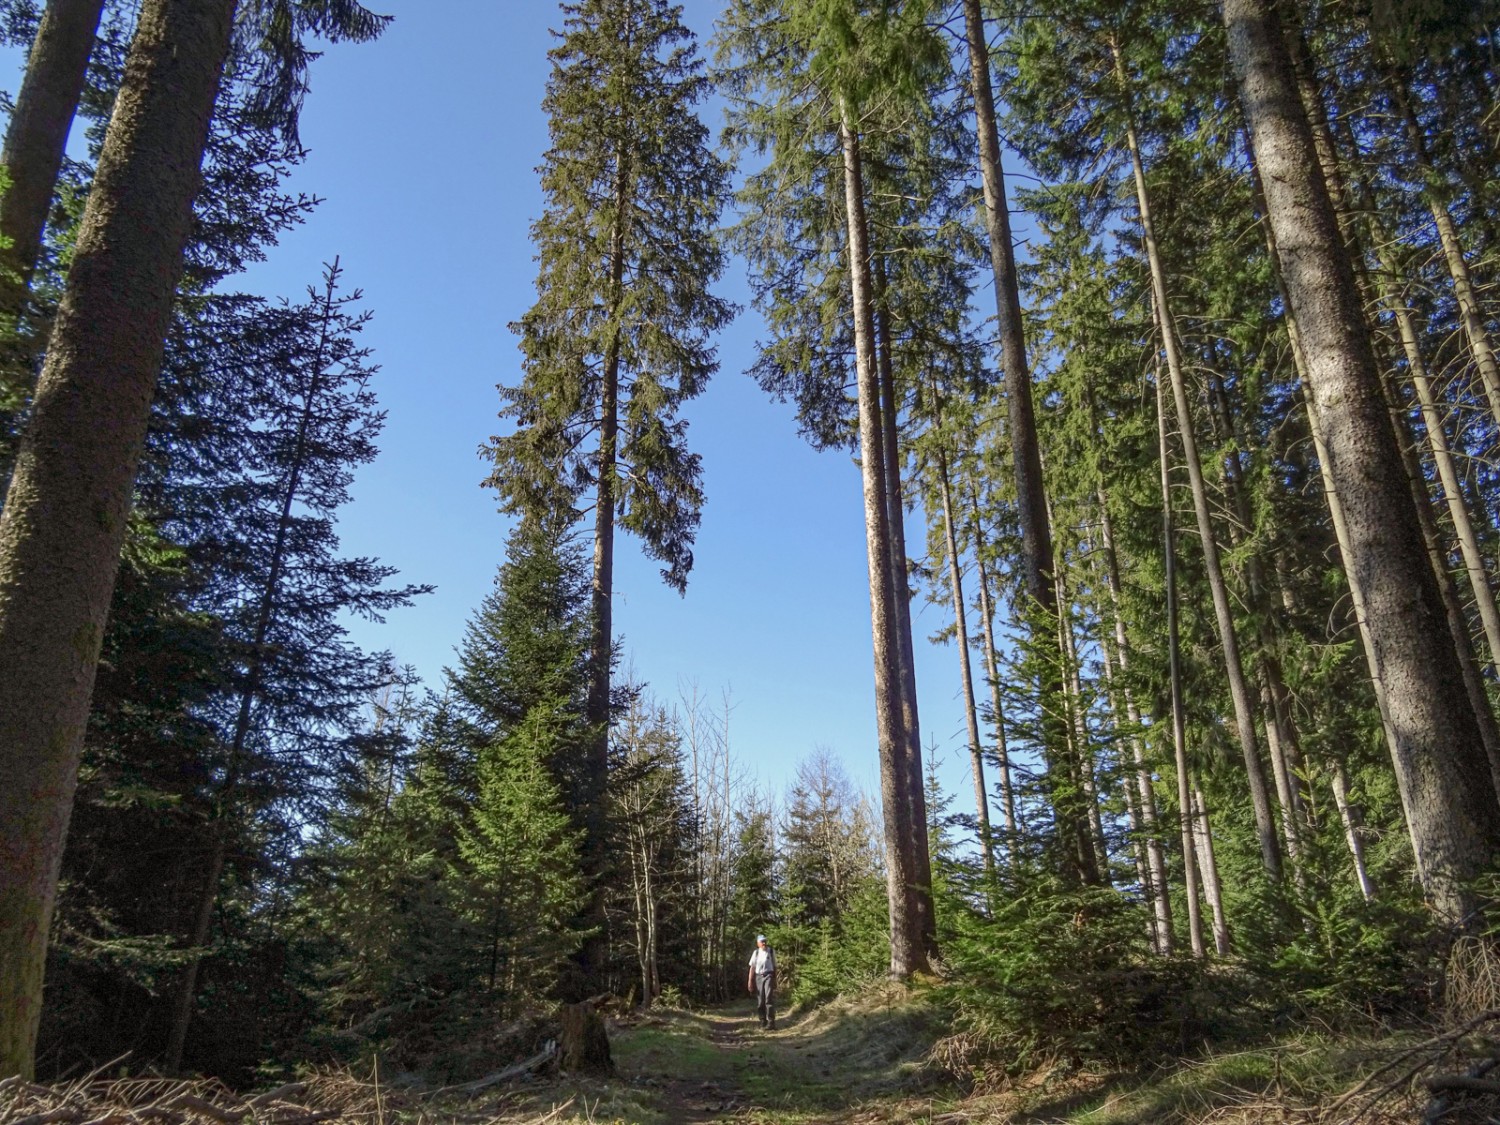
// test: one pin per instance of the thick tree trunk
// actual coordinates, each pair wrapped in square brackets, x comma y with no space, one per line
[1031,508]
[1234,668]
[903,886]
[34,144]
[1440,761]
[65,513]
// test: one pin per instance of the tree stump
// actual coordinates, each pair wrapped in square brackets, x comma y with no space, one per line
[583,1043]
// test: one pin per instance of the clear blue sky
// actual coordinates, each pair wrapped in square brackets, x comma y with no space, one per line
[424,145]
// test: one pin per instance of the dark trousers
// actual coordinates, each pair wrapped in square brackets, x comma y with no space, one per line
[765,998]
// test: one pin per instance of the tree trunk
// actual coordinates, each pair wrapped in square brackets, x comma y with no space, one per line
[965,674]
[1234,669]
[1470,311]
[66,511]
[1440,760]
[34,144]
[901,590]
[1204,838]
[1145,799]
[992,672]
[265,613]
[1036,534]
[583,1044]
[1174,667]
[908,949]
[1353,836]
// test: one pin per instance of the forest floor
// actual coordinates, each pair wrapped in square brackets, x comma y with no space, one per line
[870,1060]
[884,1056]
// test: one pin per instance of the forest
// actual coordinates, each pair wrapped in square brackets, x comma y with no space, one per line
[1164,336]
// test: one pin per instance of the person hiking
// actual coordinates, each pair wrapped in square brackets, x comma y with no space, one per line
[762,981]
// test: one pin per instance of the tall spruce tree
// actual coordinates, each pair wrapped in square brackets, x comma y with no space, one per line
[620,335]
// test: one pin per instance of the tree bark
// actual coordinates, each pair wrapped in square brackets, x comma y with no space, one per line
[908,949]
[66,511]
[1440,761]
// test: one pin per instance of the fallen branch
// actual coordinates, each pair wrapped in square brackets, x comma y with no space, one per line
[280,1094]
[513,1071]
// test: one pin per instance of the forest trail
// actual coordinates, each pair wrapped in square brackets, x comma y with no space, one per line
[847,1066]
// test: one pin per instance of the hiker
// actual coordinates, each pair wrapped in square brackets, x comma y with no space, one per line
[762,981]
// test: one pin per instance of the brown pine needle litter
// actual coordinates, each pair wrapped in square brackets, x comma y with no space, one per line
[333,1095]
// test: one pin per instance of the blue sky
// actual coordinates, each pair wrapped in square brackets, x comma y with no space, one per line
[424,146]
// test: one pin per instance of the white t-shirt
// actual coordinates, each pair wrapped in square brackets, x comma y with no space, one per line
[763,960]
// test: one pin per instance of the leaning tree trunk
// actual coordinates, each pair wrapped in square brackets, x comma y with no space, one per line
[903,886]
[1440,760]
[1234,668]
[1174,670]
[66,511]
[250,691]
[1465,291]
[1036,533]
[33,153]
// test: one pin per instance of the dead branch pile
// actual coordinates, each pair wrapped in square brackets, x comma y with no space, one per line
[325,1096]
[152,1101]
[1441,1079]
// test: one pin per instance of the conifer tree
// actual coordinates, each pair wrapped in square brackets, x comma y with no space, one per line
[619,337]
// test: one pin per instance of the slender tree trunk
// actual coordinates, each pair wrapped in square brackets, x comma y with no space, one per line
[265,614]
[1036,534]
[1282,740]
[34,145]
[1234,668]
[901,589]
[965,675]
[1441,765]
[1156,864]
[1353,836]
[1437,444]
[1174,671]
[992,673]
[1204,838]
[65,513]
[1082,755]
[1435,194]
[908,949]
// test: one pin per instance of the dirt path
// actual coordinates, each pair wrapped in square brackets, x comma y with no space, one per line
[720,1066]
